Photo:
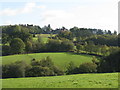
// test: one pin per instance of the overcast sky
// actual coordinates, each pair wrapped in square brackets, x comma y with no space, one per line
[100,14]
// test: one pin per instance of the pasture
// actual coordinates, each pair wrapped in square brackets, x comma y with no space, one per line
[60,59]
[107,80]
[44,37]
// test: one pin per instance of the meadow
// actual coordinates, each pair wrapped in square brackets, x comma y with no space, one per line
[44,37]
[60,59]
[104,80]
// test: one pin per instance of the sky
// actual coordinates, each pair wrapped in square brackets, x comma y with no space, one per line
[100,14]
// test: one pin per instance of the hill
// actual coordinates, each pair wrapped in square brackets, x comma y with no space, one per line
[107,80]
[60,59]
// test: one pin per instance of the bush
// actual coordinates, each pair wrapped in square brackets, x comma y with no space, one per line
[14,70]
[5,50]
[57,71]
[83,68]
[38,47]
[53,45]
[17,46]
[66,45]
[28,46]
[45,67]
[37,71]
[45,64]
[71,69]
[110,63]
[87,68]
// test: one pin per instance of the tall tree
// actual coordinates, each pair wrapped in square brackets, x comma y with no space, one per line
[17,46]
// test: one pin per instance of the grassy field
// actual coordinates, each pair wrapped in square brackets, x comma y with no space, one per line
[60,59]
[44,37]
[107,80]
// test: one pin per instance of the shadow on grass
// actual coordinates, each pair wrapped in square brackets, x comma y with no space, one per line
[73,53]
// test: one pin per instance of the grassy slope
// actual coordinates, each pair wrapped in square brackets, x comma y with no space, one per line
[107,80]
[44,37]
[60,59]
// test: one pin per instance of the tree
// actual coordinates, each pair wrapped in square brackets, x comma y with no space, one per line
[47,62]
[78,39]
[47,29]
[79,47]
[17,46]
[38,46]
[110,63]
[28,46]
[71,69]
[100,32]
[105,50]
[81,32]
[119,39]
[37,71]
[44,67]
[57,70]
[53,45]
[66,45]
[115,33]
[6,50]
[5,38]
[88,68]
[109,32]
[39,39]
[90,47]
[65,34]
[14,70]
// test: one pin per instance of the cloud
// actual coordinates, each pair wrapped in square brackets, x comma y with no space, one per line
[87,13]
[103,16]
[8,22]
[28,8]
[41,7]
[8,12]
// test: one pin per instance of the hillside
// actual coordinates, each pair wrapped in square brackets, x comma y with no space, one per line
[60,59]
[107,80]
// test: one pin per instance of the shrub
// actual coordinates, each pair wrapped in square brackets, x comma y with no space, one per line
[5,50]
[14,70]
[38,46]
[37,71]
[17,46]
[87,68]
[57,71]
[28,46]
[67,45]
[45,62]
[110,63]
[53,45]
[71,69]
[47,65]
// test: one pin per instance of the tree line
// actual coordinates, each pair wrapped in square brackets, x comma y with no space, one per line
[45,67]
[17,39]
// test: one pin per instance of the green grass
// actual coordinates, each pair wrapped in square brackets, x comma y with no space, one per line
[59,59]
[44,37]
[35,38]
[107,80]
